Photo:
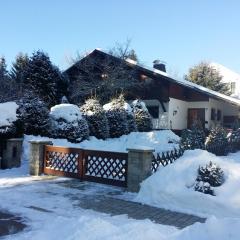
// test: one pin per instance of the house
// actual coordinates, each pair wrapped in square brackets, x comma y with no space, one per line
[173,104]
[230,77]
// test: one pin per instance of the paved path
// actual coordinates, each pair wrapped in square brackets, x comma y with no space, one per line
[109,201]
[114,206]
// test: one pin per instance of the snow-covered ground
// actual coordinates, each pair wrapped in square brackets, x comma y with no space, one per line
[159,140]
[170,187]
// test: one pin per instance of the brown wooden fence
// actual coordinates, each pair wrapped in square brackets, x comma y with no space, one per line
[98,166]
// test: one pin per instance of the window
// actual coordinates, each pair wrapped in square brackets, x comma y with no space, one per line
[213,114]
[154,111]
[219,115]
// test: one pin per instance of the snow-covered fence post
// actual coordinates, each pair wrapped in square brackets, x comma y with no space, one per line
[139,166]
[11,154]
[36,157]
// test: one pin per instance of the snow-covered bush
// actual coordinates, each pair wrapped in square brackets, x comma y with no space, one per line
[34,115]
[234,140]
[193,138]
[117,117]
[96,118]
[9,123]
[142,117]
[67,122]
[209,176]
[217,141]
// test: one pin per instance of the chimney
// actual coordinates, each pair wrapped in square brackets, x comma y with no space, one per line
[157,64]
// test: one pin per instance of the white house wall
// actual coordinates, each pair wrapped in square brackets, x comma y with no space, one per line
[178,112]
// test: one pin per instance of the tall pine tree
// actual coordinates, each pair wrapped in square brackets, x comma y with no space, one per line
[7,86]
[18,72]
[207,76]
[44,79]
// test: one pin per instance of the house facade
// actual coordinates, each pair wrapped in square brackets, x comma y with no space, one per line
[173,104]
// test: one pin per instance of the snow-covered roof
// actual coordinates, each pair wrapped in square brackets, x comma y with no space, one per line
[181,82]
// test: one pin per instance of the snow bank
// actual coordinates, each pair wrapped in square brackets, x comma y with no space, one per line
[69,112]
[171,187]
[8,113]
[159,140]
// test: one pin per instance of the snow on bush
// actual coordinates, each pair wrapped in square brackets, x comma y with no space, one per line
[117,118]
[172,187]
[67,122]
[142,117]
[193,138]
[8,119]
[34,115]
[234,140]
[209,176]
[96,118]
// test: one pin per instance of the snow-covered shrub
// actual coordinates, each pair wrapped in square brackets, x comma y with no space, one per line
[142,117]
[117,117]
[193,138]
[96,118]
[67,122]
[34,115]
[234,140]
[9,123]
[209,176]
[217,141]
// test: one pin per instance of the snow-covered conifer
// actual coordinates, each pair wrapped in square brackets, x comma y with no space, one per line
[34,115]
[67,122]
[96,118]
[142,117]
[117,117]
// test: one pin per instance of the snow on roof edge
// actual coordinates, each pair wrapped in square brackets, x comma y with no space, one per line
[181,82]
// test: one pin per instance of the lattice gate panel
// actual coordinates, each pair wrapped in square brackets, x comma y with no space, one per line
[106,167]
[63,161]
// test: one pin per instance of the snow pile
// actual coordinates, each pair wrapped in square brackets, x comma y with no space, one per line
[8,113]
[66,111]
[172,187]
[159,140]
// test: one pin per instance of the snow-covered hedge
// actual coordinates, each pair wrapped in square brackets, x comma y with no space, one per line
[8,120]
[96,118]
[117,118]
[34,115]
[193,138]
[67,122]
[142,117]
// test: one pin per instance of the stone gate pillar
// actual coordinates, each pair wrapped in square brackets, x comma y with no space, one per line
[36,157]
[139,166]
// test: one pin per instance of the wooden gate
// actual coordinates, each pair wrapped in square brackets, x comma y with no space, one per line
[98,166]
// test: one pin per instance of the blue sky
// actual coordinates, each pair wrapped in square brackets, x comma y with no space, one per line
[181,33]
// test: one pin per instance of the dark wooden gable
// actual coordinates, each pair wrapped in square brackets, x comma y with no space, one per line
[150,86]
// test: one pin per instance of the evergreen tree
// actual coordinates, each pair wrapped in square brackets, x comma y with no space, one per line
[209,176]
[18,72]
[96,118]
[34,115]
[217,141]
[117,117]
[142,117]
[7,86]
[207,76]
[44,79]
[66,121]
